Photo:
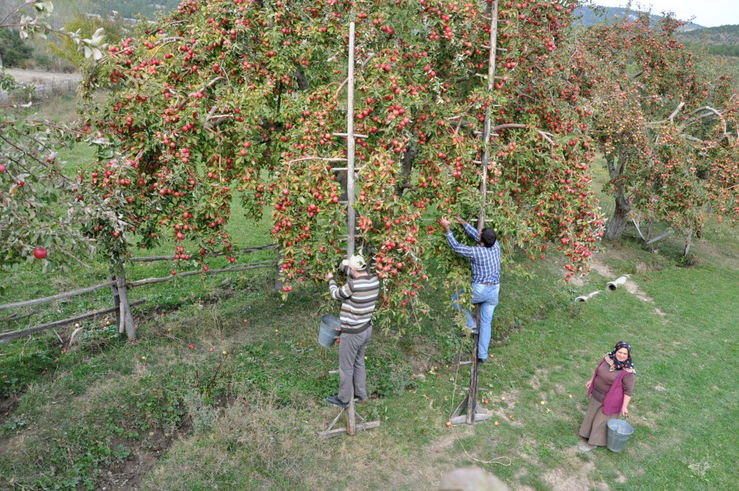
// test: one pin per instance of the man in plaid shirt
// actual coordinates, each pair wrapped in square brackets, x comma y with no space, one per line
[485,264]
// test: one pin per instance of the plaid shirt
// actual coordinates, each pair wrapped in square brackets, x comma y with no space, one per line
[484,261]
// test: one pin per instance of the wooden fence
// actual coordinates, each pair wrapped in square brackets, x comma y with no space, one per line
[119,288]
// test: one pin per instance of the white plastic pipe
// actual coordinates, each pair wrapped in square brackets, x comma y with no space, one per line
[585,298]
[612,285]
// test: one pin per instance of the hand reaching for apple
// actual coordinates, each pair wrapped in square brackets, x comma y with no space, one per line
[444,222]
[329,276]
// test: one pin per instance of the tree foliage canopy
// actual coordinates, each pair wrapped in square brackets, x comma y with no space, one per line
[230,98]
[668,133]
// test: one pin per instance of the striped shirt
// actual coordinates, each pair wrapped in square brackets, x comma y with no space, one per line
[484,261]
[359,296]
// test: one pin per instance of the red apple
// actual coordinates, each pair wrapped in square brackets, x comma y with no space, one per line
[40,253]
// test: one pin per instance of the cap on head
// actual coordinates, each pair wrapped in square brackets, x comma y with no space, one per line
[357,262]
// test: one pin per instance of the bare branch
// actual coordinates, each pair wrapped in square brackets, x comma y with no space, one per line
[677,110]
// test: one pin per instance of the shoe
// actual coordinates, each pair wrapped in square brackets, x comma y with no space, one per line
[336,401]
[482,360]
[584,447]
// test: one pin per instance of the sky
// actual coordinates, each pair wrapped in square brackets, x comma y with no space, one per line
[707,13]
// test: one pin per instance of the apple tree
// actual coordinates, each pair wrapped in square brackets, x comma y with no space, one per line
[41,211]
[244,99]
[668,134]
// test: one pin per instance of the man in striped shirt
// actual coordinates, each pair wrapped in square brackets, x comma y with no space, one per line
[358,298]
[485,264]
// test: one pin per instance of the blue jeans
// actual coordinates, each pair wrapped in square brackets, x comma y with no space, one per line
[487,298]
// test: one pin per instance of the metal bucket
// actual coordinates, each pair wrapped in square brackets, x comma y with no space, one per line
[327,334]
[619,432]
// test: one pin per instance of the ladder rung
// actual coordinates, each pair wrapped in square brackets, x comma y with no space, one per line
[356,169]
[356,135]
[466,362]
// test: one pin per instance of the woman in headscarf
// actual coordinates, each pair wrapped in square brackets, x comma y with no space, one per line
[610,393]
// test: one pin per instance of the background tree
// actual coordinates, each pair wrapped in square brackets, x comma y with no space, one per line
[42,211]
[13,50]
[666,132]
[86,26]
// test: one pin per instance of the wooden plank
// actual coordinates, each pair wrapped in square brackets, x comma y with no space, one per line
[149,259]
[149,281]
[462,420]
[472,396]
[486,133]
[11,335]
[342,431]
[350,216]
[461,407]
[126,318]
[60,296]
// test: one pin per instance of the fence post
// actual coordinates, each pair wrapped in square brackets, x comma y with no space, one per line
[125,318]
[117,304]
[278,282]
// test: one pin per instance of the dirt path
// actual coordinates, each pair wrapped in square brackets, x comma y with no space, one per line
[45,83]
[630,285]
[42,78]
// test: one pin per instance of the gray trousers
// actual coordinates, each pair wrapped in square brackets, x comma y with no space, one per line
[352,374]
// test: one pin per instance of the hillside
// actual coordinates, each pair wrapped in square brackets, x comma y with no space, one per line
[592,16]
[714,35]
[127,8]
[721,40]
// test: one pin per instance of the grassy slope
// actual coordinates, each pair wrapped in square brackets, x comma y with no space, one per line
[158,414]
[118,407]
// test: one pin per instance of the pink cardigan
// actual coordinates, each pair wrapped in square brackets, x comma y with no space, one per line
[615,397]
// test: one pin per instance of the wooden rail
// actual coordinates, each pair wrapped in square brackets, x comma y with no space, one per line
[149,259]
[149,281]
[11,335]
[60,296]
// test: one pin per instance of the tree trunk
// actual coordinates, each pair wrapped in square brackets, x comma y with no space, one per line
[407,167]
[617,224]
